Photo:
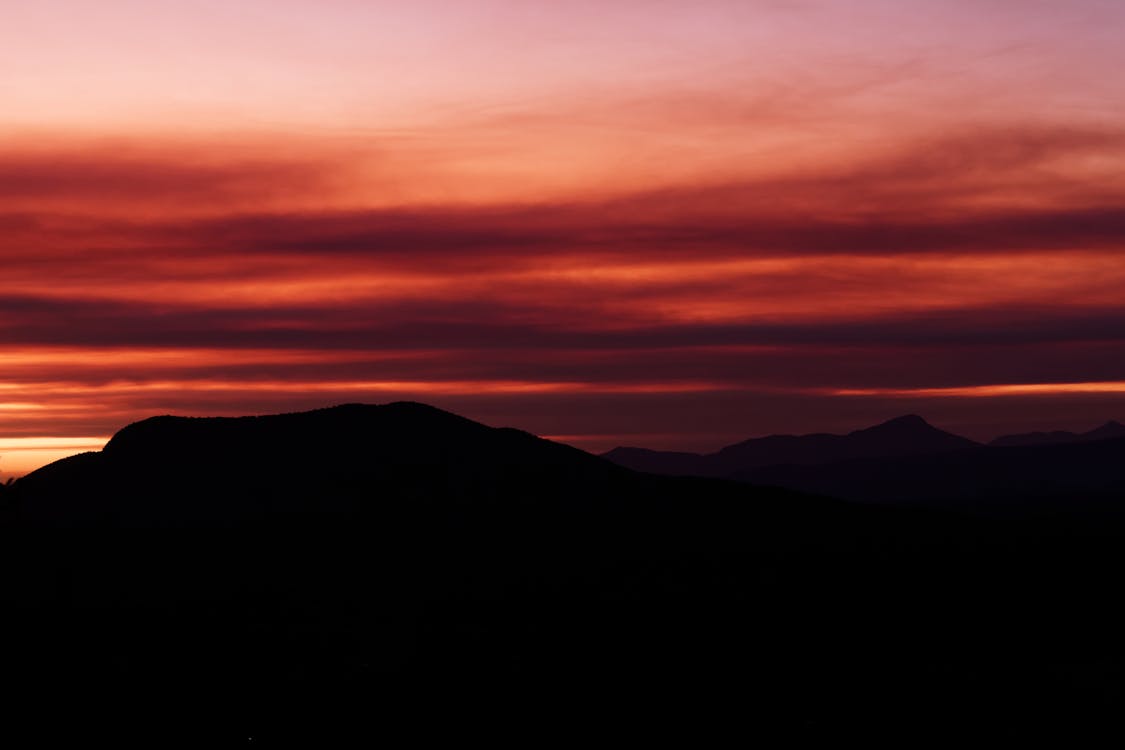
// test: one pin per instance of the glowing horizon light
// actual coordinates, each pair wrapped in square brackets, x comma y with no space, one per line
[38,443]
[19,456]
[978,391]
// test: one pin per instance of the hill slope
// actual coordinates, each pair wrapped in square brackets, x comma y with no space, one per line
[361,567]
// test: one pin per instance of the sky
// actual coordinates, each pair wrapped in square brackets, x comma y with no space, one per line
[664,223]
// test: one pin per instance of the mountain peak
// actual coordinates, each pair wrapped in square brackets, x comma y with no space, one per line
[908,423]
[907,434]
[1110,429]
[907,420]
[343,429]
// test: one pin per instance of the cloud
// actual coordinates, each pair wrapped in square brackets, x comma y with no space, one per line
[147,185]
[959,262]
[996,190]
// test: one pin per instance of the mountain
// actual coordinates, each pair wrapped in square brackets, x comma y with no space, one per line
[1069,479]
[352,572]
[668,463]
[328,461]
[348,569]
[904,436]
[909,463]
[1107,431]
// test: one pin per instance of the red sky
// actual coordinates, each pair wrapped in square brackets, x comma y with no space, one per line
[661,223]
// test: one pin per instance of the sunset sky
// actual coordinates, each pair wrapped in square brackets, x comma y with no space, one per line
[663,223]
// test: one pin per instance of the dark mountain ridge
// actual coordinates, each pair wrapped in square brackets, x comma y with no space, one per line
[907,462]
[1085,478]
[903,436]
[242,468]
[1107,431]
[348,570]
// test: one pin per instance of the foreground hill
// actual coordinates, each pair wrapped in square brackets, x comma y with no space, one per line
[353,569]
[179,472]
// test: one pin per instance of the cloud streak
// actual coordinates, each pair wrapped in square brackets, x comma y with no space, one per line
[788,285]
[726,217]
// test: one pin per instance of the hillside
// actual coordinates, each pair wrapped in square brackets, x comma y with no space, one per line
[342,571]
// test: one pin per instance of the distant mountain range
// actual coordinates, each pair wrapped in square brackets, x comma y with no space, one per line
[347,572]
[907,461]
[905,436]
[1107,431]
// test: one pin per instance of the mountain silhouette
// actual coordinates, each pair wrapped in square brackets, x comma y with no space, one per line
[1058,479]
[1107,431]
[904,436]
[324,461]
[342,573]
[907,462]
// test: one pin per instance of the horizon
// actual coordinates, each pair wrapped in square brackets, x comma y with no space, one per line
[680,223]
[31,454]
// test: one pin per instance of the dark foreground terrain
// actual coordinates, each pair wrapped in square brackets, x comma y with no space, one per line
[359,571]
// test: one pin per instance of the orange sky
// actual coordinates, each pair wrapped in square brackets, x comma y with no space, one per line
[665,223]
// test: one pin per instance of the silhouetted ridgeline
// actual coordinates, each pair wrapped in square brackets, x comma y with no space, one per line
[354,569]
[908,462]
[1107,431]
[905,436]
